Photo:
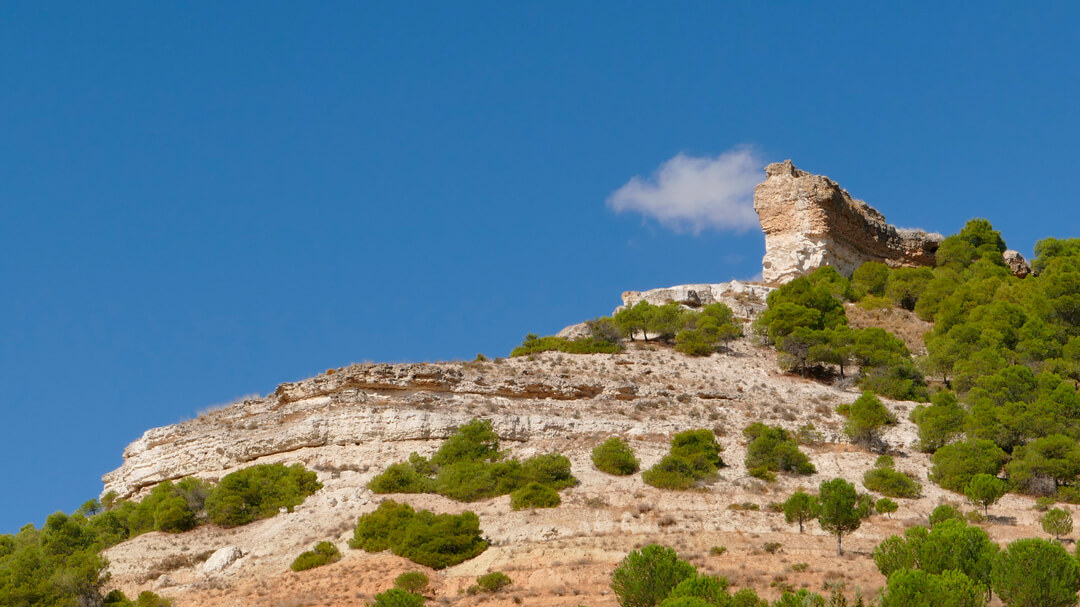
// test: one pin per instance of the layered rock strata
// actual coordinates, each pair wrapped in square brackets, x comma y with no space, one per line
[809,221]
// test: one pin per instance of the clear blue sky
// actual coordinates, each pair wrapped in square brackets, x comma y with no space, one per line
[201,201]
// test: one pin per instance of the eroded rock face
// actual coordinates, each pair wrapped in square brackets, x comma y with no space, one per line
[1016,263]
[744,299]
[809,221]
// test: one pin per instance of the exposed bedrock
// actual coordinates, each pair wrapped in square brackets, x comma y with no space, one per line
[809,221]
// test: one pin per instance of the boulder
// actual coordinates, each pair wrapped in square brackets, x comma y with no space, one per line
[222,559]
[1016,263]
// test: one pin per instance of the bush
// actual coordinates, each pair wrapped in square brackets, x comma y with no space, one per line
[645,577]
[534,495]
[395,597]
[886,506]
[886,480]
[432,540]
[493,582]
[470,481]
[400,478]
[955,465]
[800,508]
[772,547]
[589,345]
[943,513]
[259,492]
[671,473]
[324,553]
[469,467]
[694,456]
[772,448]
[412,581]
[615,456]
[550,469]
[708,588]
[866,417]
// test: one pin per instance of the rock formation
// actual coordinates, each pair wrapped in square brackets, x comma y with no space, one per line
[809,221]
[744,299]
[1016,263]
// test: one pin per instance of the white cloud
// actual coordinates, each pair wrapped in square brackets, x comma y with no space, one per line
[692,194]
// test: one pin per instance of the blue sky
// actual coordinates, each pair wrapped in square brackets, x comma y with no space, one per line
[201,201]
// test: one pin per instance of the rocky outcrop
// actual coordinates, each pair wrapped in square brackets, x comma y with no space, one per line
[809,221]
[1016,263]
[743,298]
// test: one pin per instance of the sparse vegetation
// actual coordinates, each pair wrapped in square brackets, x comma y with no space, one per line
[395,597]
[493,582]
[412,581]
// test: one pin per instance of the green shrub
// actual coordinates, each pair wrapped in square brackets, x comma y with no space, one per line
[709,588]
[615,456]
[886,506]
[886,480]
[773,449]
[395,597]
[493,582]
[533,344]
[258,492]
[412,581]
[694,457]
[717,550]
[324,553]
[469,467]
[800,508]
[867,416]
[534,495]
[645,577]
[432,540]
[985,490]
[401,477]
[772,547]
[943,513]
[477,480]
[699,447]
[671,473]
[1042,504]
[550,469]
[473,441]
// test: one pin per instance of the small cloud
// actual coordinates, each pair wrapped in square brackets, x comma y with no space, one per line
[732,259]
[691,194]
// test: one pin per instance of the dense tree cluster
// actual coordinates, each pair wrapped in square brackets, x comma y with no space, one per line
[469,466]
[805,320]
[693,332]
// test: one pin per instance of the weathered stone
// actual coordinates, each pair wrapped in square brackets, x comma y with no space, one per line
[809,221]
[222,559]
[744,299]
[1016,263]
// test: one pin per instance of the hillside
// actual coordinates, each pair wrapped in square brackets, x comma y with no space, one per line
[352,423]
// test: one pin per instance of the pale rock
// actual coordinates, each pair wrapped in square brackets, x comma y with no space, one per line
[809,222]
[1016,263]
[163,581]
[578,331]
[745,299]
[222,559]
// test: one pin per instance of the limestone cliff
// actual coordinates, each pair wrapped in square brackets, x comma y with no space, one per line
[809,221]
